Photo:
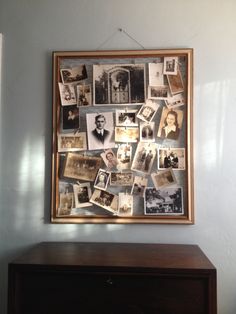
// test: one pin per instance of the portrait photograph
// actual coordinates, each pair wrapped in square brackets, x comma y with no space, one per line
[139,186]
[148,110]
[124,156]
[144,157]
[126,117]
[109,158]
[126,134]
[81,167]
[118,84]
[170,124]
[71,142]
[105,200]
[67,94]
[158,92]
[163,178]
[73,75]
[70,117]
[121,178]
[175,101]
[156,77]
[84,95]
[66,204]
[170,65]
[146,131]
[176,83]
[82,194]
[125,204]
[102,179]
[100,130]
[171,157]
[167,201]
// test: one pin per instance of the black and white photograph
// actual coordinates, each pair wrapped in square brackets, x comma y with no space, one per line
[73,75]
[71,142]
[105,200]
[81,167]
[125,204]
[171,157]
[176,84]
[70,117]
[118,84]
[124,156]
[146,131]
[66,204]
[148,110]
[121,178]
[139,186]
[126,134]
[170,123]
[84,95]
[168,201]
[144,157]
[102,179]
[100,130]
[109,159]
[163,178]
[156,77]
[158,92]
[175,101]
[126,117]
[67,94]
[82,194]
[170,65]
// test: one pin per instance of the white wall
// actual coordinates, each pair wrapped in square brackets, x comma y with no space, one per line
[31,31]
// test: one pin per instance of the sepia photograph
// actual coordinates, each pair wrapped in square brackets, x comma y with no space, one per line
[73,75]
[148,110]
[126,134]
[156,77]
[71,142]
[170,123]
[170,65]
[105,200]
[70,117]
[82,194]
[163,178]
[144,157]
[121,178]
[84,95]
[171,157]
[66,204]
[168,201]
[139,186]
[100,130]
[67,94]
[124,156]
[175,101]
[81,167]
[146,131]
[109,158]
[158,92]
[118,84]
[126,117]
[176,83]
[125,204]
[102,179]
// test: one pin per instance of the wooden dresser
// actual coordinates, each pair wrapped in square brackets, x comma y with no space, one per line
[112,278]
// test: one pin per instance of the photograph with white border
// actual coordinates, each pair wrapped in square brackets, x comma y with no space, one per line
[158,92]
[126,117]
[139,186]
[170,65]
[124,156]
[144,157]
[84,95]
[148,110]
[121,178]
[125,204]
[82,194]
[71,142]
[163,178]
[176,84]
[175,101]
[146,131]
[67,94]
[170,123]
[73,75]
[105,200]
[102,179]
[171,157]
[156,76]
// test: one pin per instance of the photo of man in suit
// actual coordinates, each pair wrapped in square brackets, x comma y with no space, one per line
[100,133]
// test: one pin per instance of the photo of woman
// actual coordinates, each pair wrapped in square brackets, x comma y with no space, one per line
[170,124]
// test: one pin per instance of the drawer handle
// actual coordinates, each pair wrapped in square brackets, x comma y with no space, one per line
[109,281]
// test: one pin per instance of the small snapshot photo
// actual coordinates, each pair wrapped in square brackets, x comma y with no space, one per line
[70,142]
[175,101]
[126,134]
[70,117]
[148,110]
[168,201]
[125,207]
[156,77]
[158,92]
[147,131]
[105,200]
[100,130]
[118,84]
[170,123]
[84,95]
[73,75]
[81,167]
[139,186]
[170,65]
[175,83]
[109,158]
[121,178]
[171,157]
[144,157]
[82,194]
[124,156]
[163,178]
[102,179]
[66,204]
[126,118]
[67,94]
